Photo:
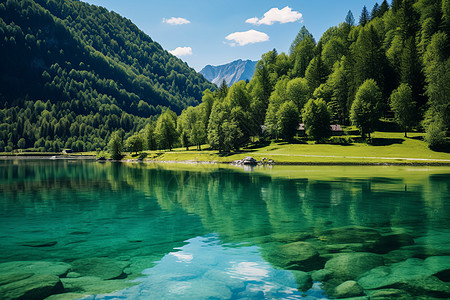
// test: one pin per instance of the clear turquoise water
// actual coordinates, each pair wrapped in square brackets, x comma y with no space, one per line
[209,232]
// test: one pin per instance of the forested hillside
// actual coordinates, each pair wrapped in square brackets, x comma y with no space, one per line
[71,73]
[394,63]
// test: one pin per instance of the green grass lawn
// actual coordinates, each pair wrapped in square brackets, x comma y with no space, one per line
[388,147]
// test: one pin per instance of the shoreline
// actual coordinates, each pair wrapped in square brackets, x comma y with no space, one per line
[419,162]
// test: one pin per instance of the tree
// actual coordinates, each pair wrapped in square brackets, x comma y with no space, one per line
[278,97]
[403,106]
[149,137]
[298,91]
[340,81]
[215,130]
[231,135]
[349,19]
[375,11]
[437,71]
[115,146]
[369,58]
[367,107]
[302,56]
[364,18]
[165,130]
[288,120]
[316,118]
[435,134]
[301,36]
[135,143]
[21,144]
[224,133]
[316,72]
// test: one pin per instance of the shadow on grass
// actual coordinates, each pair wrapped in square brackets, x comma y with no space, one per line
[442,148]
[385,141]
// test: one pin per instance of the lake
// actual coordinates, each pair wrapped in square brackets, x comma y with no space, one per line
[74,229]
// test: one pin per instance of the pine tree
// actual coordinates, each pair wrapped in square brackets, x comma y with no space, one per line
[365,17]
[301,36]
[349,19]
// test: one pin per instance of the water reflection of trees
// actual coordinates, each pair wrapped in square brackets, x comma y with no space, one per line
[237,205]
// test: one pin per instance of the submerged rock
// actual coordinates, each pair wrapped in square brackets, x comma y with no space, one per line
[350,234]
[31,288]
[299,255]
[391,242]
[67,296]
[35,267]
[303,280]
[348,266]
[13,277]
[37,244]
[348,289]
[101,267]
[321,275]
[387,294]
[94,285]
[412,269]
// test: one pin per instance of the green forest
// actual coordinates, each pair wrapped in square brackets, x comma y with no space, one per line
[95,78]
[71,73]
[392,64]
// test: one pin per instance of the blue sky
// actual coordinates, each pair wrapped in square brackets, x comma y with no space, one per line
[199,28]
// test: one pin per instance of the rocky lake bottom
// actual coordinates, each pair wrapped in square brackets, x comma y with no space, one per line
[84,230]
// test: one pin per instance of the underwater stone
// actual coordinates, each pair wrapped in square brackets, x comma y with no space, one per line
[299,255]
[387,294]
[94,285]
[36,267]
[66,296]
[348,289]
[303,280]
[37,244]
[321,275]
[391,242]
[12,277]
[350,234]
[32,288]
[406,271]
[101,267]
[349,266]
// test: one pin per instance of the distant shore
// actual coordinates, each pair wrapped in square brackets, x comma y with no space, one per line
[41,156]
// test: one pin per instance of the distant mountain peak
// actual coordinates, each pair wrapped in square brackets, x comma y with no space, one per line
[231,73]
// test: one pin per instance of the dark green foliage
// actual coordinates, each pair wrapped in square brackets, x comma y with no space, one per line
[350,19]
[115,146]
[367,107]
[403,106]
[288,120]
[165,131]
[316,118]
[301,36]
[95,72]
[135,143]
[365,17]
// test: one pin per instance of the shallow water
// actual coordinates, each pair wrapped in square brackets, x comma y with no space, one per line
[211,232]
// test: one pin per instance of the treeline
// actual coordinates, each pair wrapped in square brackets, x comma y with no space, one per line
[394,63]
[88,66]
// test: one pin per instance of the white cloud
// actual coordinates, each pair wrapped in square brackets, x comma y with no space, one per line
[285,15]
[176,21]
[247,37]
[181,51]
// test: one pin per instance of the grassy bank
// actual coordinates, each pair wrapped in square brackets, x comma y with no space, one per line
[386,147]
